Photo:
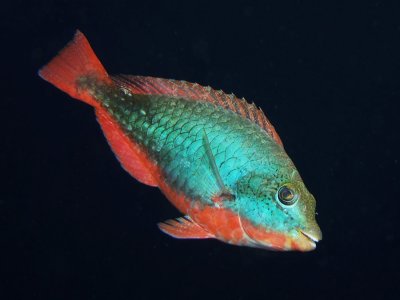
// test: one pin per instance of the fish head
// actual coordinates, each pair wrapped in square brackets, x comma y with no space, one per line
[277,211]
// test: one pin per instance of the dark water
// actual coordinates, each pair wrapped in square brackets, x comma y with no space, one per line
[74,225]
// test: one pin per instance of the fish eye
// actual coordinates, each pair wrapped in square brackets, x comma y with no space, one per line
[287,195]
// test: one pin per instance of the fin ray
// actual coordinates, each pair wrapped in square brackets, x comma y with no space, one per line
[146,85]
[223,193]
[184,228]
[74,61]
[211,160]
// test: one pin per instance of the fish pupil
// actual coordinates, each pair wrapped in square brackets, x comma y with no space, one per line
[286,195]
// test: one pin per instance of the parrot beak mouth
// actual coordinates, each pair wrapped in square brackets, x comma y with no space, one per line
[299,239]
[308,238]
[312,237]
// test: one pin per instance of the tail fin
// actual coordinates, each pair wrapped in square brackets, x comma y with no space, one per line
[75,61]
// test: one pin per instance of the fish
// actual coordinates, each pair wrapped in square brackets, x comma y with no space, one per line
[215,157]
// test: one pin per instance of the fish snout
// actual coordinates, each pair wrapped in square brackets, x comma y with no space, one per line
[308,237]
[314,233]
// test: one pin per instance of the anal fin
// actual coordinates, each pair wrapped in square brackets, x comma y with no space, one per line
[184,228]
[132,158]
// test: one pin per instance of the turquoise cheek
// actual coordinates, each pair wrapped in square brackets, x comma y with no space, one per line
[260,213]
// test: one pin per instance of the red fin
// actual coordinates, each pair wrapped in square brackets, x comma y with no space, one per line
[184,228]
[158,86]
[75,61]
[132,158]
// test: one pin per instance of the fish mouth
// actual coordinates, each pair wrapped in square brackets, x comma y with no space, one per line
[309,238]
[313,238]
[304,242]
[298,239]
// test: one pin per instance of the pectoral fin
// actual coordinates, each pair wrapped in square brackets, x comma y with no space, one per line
[224,192]
[184,228]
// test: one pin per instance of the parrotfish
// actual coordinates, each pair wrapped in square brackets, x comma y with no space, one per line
[214,156]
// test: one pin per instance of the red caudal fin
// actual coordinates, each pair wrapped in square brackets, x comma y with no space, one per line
[77,60]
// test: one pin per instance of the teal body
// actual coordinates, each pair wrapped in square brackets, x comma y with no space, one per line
[251,164]
[171,130]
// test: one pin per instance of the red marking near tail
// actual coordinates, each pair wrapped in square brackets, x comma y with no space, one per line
[131,156]
[75,61]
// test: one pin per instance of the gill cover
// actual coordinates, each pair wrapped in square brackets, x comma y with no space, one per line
[269,222]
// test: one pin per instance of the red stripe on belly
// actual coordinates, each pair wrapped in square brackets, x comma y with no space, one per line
[223,224]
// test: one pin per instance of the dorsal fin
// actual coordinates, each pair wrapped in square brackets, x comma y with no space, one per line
[144,85]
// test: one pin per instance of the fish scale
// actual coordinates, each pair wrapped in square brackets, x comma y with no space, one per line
[167,116]
[217,158]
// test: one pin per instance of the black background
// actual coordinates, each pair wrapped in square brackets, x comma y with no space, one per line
[74,225]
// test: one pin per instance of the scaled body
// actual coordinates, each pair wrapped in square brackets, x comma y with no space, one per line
[215,157]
